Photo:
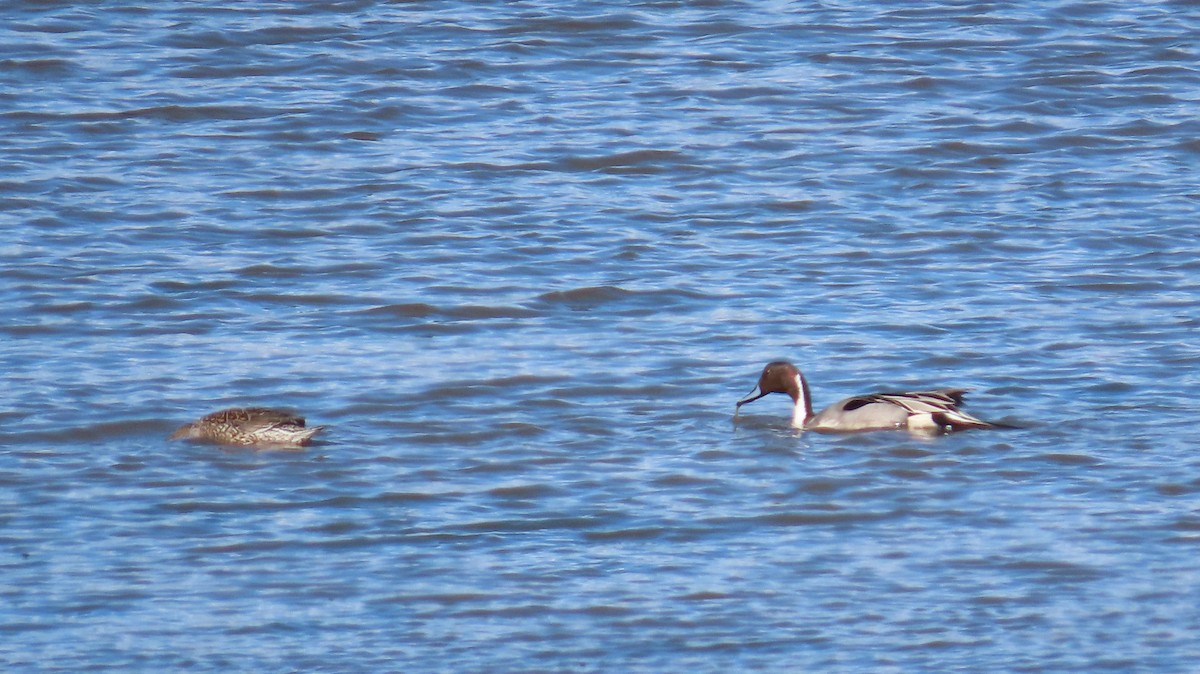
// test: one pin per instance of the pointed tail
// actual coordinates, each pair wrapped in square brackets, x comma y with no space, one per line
[957,420]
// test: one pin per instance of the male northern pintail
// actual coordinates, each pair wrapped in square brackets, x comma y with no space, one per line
[917,411]
[250,426]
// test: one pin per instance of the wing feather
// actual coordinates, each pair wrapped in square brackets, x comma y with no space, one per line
[249,417]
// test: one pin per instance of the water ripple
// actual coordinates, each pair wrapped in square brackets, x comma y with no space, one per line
[524,260]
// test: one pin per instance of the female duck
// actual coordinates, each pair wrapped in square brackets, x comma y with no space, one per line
[918,411]
[250,427]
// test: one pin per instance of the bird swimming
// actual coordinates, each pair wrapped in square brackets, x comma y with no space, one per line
[917,411]
[249,427]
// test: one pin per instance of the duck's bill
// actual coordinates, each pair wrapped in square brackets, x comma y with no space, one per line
[751,397]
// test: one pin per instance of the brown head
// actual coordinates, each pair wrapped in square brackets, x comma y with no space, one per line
[781,377]
[186,432]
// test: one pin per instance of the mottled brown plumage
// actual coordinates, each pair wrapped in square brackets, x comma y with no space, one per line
[250,427]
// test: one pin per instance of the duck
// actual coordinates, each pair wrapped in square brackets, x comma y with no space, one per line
[249,427]
[931,412]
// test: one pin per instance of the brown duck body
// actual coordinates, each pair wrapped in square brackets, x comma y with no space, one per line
[249,427]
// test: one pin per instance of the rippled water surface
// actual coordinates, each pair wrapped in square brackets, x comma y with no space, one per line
[523,258]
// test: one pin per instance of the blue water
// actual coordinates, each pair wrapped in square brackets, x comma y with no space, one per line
[523,259]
